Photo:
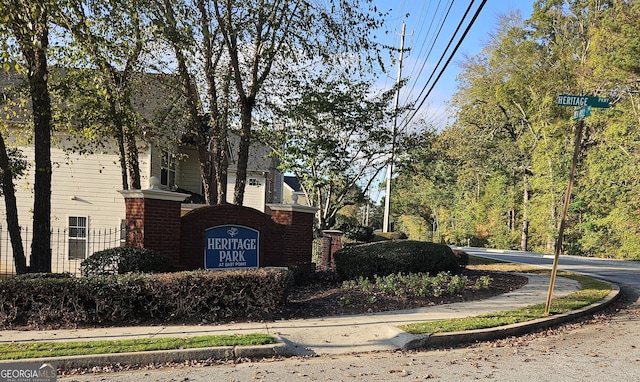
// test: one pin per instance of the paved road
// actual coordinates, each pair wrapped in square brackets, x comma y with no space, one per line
[604,349]
[621,272]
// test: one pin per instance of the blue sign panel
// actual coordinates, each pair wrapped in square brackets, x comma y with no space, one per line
[231,247]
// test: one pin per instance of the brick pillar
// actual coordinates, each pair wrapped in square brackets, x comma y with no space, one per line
[297,245]
[153,219]
[331,242]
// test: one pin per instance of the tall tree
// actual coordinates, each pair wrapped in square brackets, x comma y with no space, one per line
[496,109]
[28,23]
[190,30]
[12,164]
[110,36]
[335,142]
[606,202]
[268,34]
[510,137]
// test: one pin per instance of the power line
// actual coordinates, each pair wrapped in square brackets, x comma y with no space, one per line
[408,118]
[441,23]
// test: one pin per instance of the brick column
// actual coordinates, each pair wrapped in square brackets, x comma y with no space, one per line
[297,245]
[153,219]
[331,242]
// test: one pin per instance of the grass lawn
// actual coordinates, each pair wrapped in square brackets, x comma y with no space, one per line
[591,291]
[20,350]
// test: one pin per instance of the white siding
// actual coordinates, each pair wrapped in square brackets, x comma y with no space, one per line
[81,185]
[189,172]
[254,196]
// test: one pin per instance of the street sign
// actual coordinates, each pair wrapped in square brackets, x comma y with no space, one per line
[582,113]
[575,100]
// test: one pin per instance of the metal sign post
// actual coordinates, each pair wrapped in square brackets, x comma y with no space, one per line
[586,102]
[563,218]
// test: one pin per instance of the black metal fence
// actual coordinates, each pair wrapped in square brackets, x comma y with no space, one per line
[68,247]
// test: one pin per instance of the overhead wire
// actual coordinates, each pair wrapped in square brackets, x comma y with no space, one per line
[424,60]
[422,98]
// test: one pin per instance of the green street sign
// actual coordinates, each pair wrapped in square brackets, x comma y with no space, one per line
[580,101]
[582,113]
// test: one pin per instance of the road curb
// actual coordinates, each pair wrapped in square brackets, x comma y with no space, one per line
[161,356]
[489,334]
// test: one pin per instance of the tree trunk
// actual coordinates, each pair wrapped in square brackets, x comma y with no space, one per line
[217,139]
[204,158]
[220,164]
[133,165]
[37,59]
[8,190]
[246,109]
[219,150]
[123,158]
[192,99]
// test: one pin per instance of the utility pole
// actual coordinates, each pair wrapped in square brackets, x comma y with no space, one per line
[386,224]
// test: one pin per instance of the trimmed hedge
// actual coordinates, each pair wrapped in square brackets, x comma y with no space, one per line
[121,260]
[387,257]
[395,235]
[357,232]
[462,257]
[138,298]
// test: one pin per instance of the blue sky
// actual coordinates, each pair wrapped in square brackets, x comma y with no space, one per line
[422,19]
[420,62]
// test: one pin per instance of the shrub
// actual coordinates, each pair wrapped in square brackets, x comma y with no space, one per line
[357,232]
[387,257]
[35,276]
[410,285]
[206,296]
[120,260]
[462,257]
[395,235]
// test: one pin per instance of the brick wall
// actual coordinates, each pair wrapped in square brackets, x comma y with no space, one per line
[195,222]
[154,222]
[298,238]
[135,222]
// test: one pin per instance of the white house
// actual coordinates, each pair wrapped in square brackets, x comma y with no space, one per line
[87,211]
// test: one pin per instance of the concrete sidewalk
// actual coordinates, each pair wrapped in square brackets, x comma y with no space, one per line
[329,335]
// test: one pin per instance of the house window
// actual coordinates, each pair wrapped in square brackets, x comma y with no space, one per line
[253,182]
[168,170]
[77,237]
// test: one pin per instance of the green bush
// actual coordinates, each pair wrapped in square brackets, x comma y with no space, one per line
[387,257]
[32,276]
[121,260]
[462,257]
[357,232]
[202,296]
[395,235]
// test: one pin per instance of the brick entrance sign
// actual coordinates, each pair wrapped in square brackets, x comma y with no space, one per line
[228,236]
